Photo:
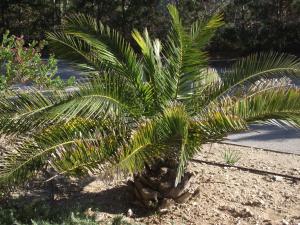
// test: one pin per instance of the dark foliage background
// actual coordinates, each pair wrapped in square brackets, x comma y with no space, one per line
[251,25]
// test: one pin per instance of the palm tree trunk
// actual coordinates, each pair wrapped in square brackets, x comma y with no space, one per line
[154,188]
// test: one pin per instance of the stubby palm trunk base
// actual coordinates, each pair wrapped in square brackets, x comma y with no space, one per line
[154,188]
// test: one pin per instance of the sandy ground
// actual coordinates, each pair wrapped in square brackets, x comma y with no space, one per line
[231,196]
[227,196]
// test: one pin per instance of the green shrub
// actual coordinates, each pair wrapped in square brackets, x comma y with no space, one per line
[23,64]
[70,220]
[24,212]
[7,217]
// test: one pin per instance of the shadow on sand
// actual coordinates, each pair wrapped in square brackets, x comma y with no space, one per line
[39,204]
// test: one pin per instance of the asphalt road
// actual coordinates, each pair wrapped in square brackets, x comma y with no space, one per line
[260,136]
[269,137]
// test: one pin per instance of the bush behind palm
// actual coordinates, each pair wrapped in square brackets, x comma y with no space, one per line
[21,63]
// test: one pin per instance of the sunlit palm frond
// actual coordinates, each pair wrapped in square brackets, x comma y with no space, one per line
[162,84]
[185,50]
[177,124]
[27,159]
[102,47]
[154,138]
[215,123]
[92,156]
[143,147]
[210,127]
[250,69]
[275,106]
[73,48]
[84,157]
[107,44]
[270,106]
[20,108]
[203,98]
[278,105]
[203,30]
[99,98]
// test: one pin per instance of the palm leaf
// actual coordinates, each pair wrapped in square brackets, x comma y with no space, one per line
[88,157]
[250,69]
[185,54]
[18,165]
[102,47]
[99,98]
[210,127]
[270,105]
[266,105]
[73,48]
[195,105]
[106,44]
[162,84]
[153,139]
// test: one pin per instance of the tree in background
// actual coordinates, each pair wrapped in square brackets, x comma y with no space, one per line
[251,25]
[261,25]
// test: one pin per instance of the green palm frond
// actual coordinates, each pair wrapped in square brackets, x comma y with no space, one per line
[196,104]
[154,138]
[73,48]
[92,156]
[251,69]
[216,123]
[106,46]
[211,126]
[18,165]
[20,108]
[203,30]
[269,106]
[180,125]
[99,98]
[105,96]
[275,106]
[19,102]
[264,85]
[84,157]
[143,147]
[103,48]
[186,56]
[162,85]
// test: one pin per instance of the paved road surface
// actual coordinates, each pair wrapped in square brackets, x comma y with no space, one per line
[269,137]
[265,137]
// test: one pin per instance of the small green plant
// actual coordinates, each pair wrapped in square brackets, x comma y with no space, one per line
[23,64]
[73,219]
[9,216]
[231,157]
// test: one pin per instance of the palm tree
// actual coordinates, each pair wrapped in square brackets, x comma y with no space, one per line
[145,113]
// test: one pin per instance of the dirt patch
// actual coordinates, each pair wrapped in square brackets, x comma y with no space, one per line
[226,195]
[231,196]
